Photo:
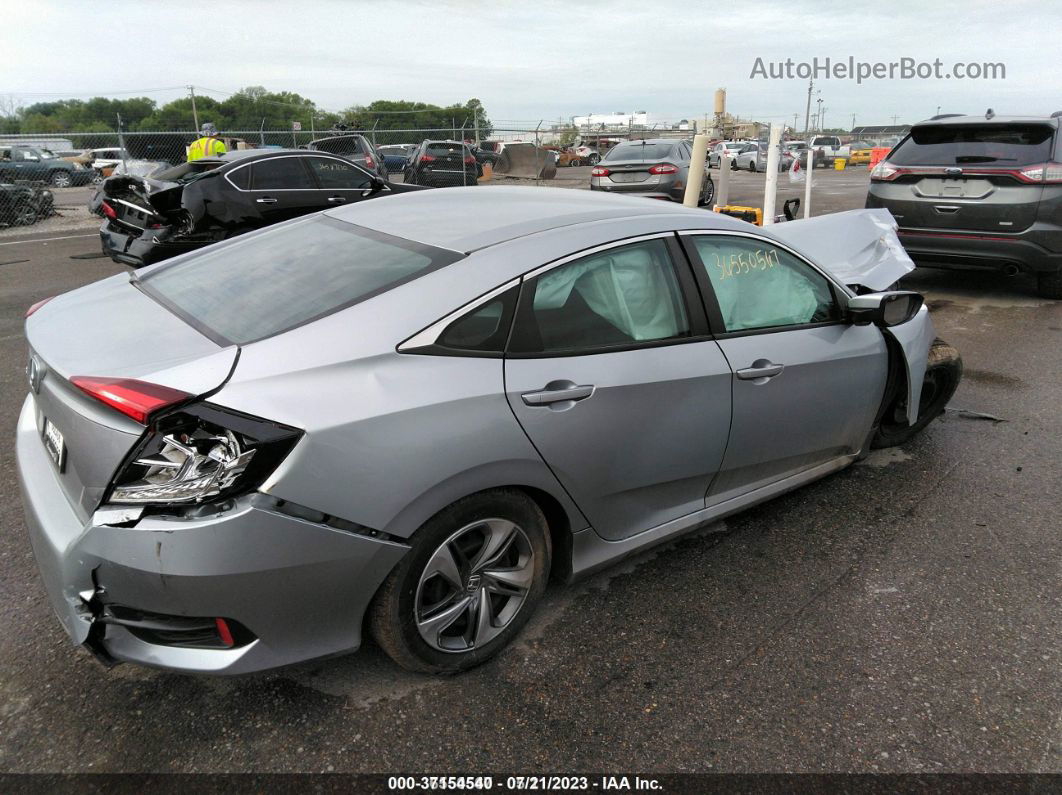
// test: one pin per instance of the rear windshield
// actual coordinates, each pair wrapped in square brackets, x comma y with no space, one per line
[288,276]
[641,152]
[442,149]
[345,145]
[186,172]
[1003,144]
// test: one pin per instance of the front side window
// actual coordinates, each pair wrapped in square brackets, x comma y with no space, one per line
[280,173]
[336,174]
[618,297]
[758,285]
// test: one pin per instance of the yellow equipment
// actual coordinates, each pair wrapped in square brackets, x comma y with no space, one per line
[754,215]
[205,147]
[839,163]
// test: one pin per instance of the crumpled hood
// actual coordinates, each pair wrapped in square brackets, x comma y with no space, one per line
[858,246]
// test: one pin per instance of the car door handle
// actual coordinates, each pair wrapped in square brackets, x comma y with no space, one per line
[558,392]
[266,200]
[337,199]
[760,371]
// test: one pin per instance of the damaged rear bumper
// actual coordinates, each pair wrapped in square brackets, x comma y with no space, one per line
[297,589]
[144,249]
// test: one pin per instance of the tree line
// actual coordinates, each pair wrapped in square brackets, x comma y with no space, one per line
[251,108]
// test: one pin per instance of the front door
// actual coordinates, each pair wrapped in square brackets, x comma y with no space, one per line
[613,377]
[806,384]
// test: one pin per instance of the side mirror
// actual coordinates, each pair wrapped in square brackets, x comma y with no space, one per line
[884,309]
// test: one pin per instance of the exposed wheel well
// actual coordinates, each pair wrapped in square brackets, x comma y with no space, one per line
[560,530]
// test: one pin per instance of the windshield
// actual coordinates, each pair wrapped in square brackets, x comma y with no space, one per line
[287,276]
[641,151]
[1002,144]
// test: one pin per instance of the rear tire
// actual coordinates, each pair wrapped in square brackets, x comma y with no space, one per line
[707,191]
[417,616]
[26,216]
[593,160]
[943,373]
[1049,285]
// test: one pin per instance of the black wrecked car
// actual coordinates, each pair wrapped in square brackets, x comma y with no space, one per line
[442,164]
[149,219]
[22,205]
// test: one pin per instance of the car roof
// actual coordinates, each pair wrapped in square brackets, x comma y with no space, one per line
[472,218]
[950,121]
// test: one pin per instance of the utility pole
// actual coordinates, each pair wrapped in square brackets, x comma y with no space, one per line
[807,111]
[818,115]
[894,118]
[853,121]
[938,110]
[795,115]
[195,115]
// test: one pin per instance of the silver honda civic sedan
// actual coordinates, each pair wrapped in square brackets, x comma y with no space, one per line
[408,415]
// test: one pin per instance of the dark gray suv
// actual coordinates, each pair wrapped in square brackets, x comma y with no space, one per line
[979,191]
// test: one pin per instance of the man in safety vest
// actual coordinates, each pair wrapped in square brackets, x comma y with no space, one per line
[208,145]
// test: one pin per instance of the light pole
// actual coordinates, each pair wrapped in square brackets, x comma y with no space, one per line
[818,115]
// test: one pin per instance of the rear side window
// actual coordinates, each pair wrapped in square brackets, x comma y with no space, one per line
[968,144]
[280,173]
[618,297]
[485,328]
[281,278]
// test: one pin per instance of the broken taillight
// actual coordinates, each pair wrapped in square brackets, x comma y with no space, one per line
[34,307]
[108,211]
[134,399]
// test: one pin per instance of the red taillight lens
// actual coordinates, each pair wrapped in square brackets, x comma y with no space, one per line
[470,161]
[108,211]
[1043,172]
[884,172]
[224,633]
[34,307]
[663,168]
[369,162]
[135,399]
[427,158]
[600,172]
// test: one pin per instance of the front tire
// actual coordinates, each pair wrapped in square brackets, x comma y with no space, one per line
[943,373]
[1049,285]
[474,576]
[60,179]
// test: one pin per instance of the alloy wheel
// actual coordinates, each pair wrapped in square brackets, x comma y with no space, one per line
[473,585]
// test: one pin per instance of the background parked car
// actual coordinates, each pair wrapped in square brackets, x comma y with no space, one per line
[149,219]
[43,165]
[656,167]
[730,148]
[753,157]
[859,153]
[984,191]
[827,148]
[24,204]
[354,147]
[395,156]
[442,164]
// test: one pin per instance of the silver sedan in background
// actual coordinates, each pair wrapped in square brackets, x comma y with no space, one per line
[656,167]
[416,411]
[754,158]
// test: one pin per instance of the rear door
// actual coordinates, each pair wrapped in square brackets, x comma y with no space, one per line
[968,177]
[806,384]
[282,188]
[614,378]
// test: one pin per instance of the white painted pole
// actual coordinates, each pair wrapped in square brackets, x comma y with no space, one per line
[770,190]
[722,195]
[695,180]
[807,181]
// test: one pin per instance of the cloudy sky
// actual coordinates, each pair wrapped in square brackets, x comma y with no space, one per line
[540,59]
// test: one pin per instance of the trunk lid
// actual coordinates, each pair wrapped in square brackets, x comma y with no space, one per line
[630,171]
[109,329]
[978,202]
[140,203]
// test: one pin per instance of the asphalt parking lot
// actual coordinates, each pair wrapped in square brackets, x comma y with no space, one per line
[902,615]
